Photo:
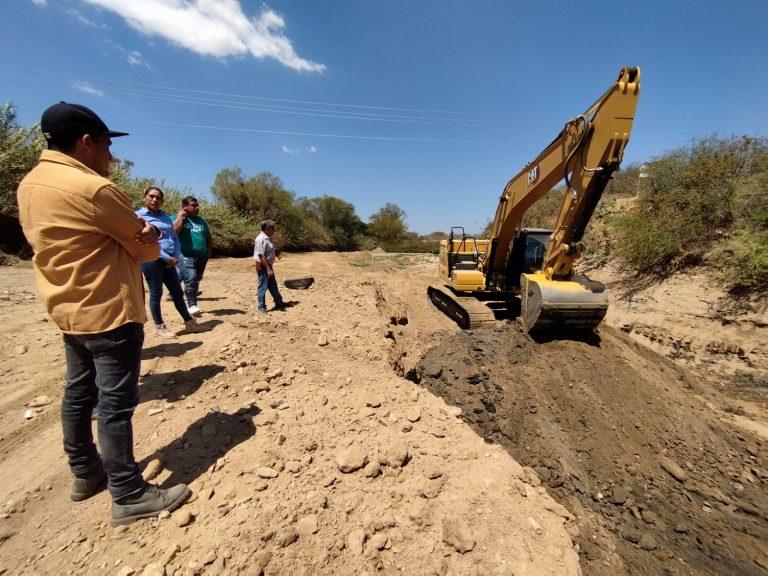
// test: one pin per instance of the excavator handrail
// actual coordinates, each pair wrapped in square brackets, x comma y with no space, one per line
[462,243]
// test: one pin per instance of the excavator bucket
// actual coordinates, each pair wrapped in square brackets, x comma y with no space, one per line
[575,304]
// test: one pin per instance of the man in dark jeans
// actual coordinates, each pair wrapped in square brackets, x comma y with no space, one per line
[115,356]
[195,237]
[264,255]
[88,244]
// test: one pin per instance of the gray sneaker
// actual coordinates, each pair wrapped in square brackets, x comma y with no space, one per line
[161,331]
[148,503]
[88,484]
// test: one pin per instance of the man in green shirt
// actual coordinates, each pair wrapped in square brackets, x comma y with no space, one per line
[195,237]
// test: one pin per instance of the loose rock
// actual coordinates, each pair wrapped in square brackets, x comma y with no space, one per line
[356,541]
[182,517]
[673,469]
[351,459]
[308,525]
[457,535]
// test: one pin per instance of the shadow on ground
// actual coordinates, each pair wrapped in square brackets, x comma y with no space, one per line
[205,441]
[227,311]
[174,348]
[178,384]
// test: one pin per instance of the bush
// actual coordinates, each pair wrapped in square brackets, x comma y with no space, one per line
[366,243]
[645,245]
[625,182]
[544,213]
[691,200]
[233,233]
[743,261]
[19,151]
[414,247]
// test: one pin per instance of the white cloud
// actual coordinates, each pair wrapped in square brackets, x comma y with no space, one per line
[40,2]
[297,151]
[83,20]
[212,28]
[133,57]
[88,89]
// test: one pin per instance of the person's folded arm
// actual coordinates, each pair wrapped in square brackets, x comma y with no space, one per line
[116,219]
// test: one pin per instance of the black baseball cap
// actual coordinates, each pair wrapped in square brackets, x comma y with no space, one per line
[72,120]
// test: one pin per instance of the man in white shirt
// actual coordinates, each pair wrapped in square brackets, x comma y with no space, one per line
[264,255]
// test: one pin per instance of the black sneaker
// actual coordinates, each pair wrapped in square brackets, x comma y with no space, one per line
[89,484]
[148,503]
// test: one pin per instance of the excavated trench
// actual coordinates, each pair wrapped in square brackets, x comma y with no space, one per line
[618,434]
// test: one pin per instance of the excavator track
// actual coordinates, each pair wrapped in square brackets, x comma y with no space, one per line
[467,311]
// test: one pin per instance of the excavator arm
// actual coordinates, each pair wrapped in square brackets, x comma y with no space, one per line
[585,154]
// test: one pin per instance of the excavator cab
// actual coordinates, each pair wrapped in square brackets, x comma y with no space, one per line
[526,255]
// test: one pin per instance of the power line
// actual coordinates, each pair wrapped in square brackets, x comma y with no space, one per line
[313,134]
[250,102]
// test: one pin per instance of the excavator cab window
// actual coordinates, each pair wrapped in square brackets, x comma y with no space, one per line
[526,254]
[535,248]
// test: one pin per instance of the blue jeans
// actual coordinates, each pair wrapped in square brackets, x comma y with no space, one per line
[268,283]
[192,269]
[103,370]
[158,273]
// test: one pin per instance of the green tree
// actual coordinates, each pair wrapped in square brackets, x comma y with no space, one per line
[264,197]
[338,220]
[388,224]
[20,150]
[229,187]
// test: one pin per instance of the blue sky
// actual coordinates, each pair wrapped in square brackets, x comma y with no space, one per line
[431,105]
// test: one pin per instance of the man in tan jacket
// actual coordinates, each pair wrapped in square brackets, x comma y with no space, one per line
[88,244]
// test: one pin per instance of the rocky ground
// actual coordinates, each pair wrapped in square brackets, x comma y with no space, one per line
[360,431]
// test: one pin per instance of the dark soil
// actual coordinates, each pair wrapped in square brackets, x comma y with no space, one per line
[595,418]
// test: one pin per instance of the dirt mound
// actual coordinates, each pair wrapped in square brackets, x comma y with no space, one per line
[658,482]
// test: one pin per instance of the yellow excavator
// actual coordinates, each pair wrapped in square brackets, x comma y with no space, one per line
[534,266]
